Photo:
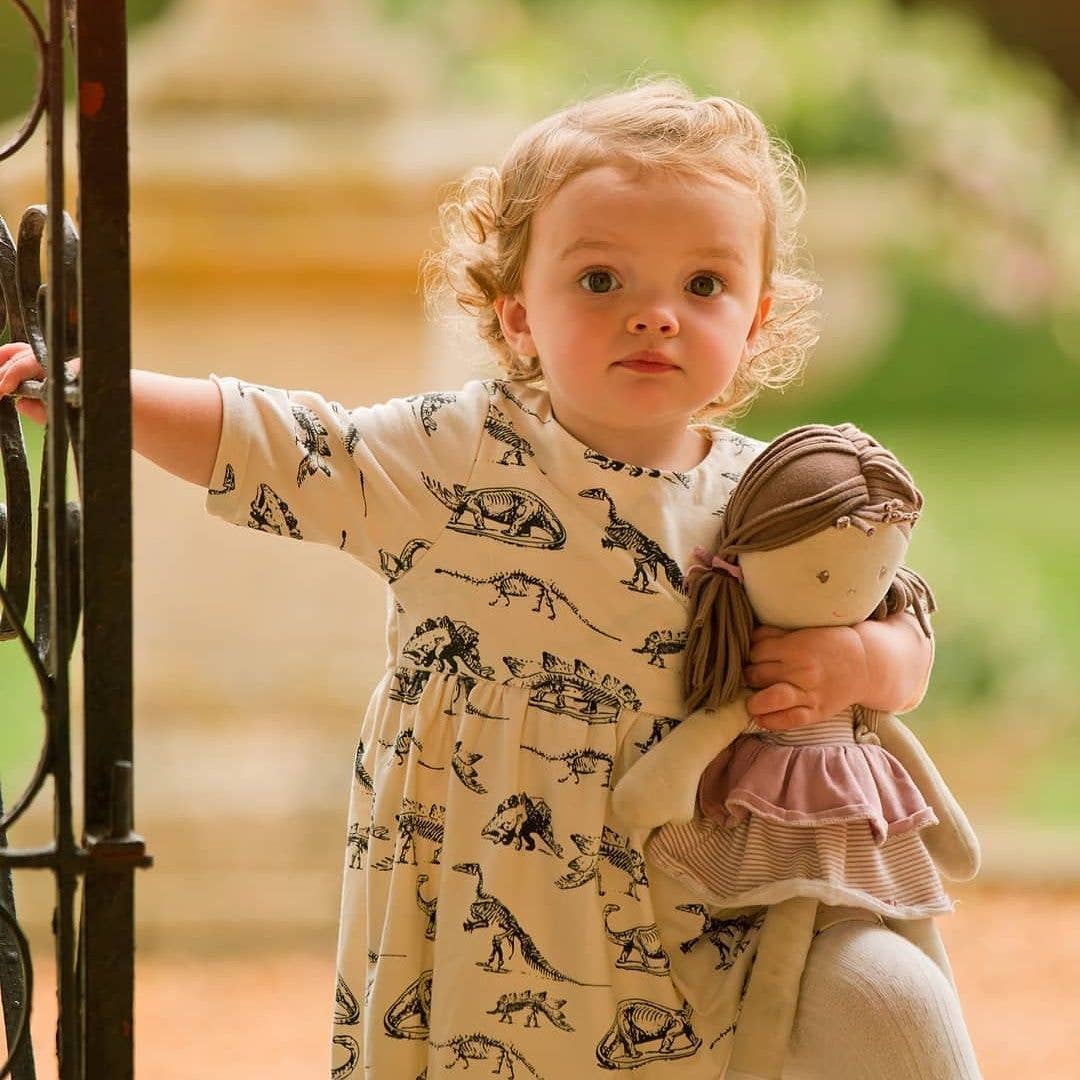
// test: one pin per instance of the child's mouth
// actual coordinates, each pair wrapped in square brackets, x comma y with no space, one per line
[645,365]
[647,360]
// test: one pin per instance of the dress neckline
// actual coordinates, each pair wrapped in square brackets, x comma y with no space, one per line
[539,402]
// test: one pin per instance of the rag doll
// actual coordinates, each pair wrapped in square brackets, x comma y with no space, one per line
[849,812]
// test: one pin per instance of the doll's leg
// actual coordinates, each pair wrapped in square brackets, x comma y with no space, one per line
[768,1010]
[925,934]
[873,1005]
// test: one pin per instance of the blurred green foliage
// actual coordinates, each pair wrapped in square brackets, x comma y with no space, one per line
[1048,792]
[950,359]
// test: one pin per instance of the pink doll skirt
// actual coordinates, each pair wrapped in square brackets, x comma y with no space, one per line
[807,812]
[813,783]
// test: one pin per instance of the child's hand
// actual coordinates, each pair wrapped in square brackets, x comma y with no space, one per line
[807,675]
[17,364]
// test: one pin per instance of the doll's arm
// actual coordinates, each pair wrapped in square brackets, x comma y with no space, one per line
[662,784]
[952,842]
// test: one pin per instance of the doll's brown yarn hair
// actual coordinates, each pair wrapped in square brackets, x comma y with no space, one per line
[809,479]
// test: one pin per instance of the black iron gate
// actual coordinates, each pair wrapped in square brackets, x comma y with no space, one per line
[83,558]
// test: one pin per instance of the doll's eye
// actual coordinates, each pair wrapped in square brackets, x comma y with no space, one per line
[823,576]
[882,572]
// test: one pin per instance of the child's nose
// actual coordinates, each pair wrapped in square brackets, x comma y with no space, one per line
[655,320]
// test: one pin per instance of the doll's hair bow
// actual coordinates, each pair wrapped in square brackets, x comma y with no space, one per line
[703,561]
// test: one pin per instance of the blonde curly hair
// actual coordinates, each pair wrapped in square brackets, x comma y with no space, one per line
[658,123]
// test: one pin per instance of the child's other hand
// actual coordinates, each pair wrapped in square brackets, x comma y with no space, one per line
[804,676]
[17,364]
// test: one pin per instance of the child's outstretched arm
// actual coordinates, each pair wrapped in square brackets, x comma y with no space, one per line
[176,422]
[804,676]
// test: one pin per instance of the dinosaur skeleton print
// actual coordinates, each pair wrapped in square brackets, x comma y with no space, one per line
[495,912]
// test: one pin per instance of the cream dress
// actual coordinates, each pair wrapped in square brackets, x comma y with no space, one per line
[495,913]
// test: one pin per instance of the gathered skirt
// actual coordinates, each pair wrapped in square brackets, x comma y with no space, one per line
[814,812]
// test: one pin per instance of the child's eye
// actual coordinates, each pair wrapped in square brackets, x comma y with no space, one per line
[705,285]
[823,576]
[598,281]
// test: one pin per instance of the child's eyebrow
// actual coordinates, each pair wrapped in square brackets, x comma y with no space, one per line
[583,242]
[731,254]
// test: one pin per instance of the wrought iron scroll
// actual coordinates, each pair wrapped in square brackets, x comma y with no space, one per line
[83,557]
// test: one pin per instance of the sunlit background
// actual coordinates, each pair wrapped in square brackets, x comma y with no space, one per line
[287,160]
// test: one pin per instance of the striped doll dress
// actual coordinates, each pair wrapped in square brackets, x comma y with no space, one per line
[821,811]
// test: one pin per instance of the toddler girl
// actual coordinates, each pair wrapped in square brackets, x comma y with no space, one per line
[631,264]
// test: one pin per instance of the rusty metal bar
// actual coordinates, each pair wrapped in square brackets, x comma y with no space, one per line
[54,475]
[17,277]
[108,919]
[83,560]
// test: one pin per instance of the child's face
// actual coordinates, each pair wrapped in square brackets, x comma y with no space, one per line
[622,262]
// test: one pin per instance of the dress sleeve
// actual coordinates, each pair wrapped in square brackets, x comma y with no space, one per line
[375,481]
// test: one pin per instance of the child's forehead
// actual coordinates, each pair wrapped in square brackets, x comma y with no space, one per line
[610,203]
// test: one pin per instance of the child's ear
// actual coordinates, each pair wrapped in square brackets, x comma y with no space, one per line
[515,325]
[764,306]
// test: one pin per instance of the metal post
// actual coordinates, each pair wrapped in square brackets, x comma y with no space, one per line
[108,928]
[83,561]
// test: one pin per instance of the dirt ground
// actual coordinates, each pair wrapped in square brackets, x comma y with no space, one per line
[1016,956]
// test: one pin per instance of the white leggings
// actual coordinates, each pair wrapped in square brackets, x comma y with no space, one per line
[874,1006]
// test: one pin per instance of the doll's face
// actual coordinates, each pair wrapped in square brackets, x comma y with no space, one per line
[836,577]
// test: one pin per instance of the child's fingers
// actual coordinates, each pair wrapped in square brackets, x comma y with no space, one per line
[15,350]
[761,675]
[763,633]
[781,707]
[785,719]
[12,348]
[17,364]
[770,651]
[774,698]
